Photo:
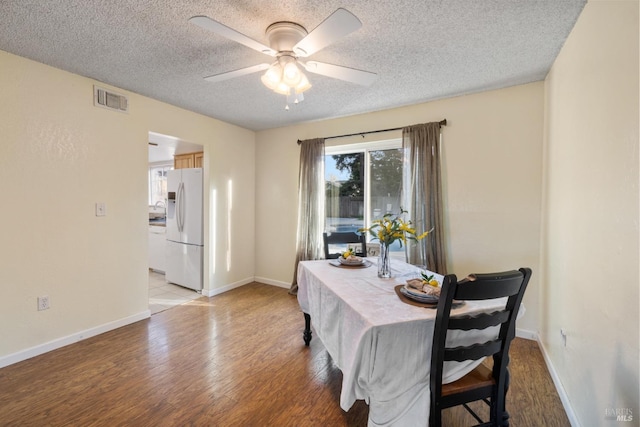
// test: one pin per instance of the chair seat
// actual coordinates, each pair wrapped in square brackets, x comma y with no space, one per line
[480,377]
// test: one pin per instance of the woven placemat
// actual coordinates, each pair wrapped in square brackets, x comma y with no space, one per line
[409,301]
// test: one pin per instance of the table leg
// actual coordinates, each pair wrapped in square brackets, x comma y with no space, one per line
[306,335]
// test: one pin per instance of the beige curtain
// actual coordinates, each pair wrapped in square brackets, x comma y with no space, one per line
[310,205]
[422,196]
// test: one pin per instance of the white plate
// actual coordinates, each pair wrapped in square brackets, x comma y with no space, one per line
[365,263]
[427,299]
[344,261]
[424,298]
[421,295]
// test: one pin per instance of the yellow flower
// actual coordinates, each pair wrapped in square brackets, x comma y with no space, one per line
[390,228]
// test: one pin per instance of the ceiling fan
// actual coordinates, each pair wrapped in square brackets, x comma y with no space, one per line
[288,42]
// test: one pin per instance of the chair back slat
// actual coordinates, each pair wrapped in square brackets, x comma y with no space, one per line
[480,321]
[472,352]
[343,237]
[496,285]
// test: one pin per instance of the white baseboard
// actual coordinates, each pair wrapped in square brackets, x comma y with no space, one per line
[223,289]
[271,282]
[526,334]
[70,339]
[564,398]
[532,335]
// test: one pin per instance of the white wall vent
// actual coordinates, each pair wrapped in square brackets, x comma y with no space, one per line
[108,99]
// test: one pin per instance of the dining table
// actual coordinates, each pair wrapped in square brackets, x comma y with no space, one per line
[380,342]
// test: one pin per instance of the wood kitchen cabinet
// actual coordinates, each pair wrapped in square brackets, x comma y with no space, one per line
[198,160]
[188,160]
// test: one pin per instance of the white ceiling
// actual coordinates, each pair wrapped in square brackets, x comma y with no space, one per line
[162,148]
[421,50]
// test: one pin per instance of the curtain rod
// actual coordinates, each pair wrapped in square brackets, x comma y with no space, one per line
[441,122]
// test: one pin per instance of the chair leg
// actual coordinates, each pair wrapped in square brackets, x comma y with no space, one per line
[499,415]
[505,414]
[503,409]
[435,417]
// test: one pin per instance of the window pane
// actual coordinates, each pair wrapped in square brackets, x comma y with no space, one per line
[362,186]
[158,184]
[385,181]
[385,168]
[344,180]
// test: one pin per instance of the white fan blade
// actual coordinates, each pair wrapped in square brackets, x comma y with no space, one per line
[337,25]
[224,31]
[364,78]
[236,73]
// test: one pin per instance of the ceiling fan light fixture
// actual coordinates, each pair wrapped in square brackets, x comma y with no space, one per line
[282,89]
[285,77]
[291,75]
[303,85]
[272,77]
[267,82]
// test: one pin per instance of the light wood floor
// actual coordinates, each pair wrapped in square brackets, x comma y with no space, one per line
[236,359]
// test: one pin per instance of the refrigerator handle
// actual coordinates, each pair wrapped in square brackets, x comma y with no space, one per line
[182,207]
[178,207]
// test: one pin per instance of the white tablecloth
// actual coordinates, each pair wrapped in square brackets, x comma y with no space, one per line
[381,344]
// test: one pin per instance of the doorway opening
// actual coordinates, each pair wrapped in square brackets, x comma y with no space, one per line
[166,153]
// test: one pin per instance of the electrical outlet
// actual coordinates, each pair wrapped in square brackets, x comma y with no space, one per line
[43,303]
[101,209]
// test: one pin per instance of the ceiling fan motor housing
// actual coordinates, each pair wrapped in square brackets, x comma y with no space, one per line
[283,36]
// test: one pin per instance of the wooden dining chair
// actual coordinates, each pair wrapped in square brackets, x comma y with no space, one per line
[483,383]
[344,238]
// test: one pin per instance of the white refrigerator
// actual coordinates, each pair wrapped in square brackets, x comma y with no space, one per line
[184,228]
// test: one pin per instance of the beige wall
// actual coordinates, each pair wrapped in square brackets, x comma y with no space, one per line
[230,199]
[59,155]
[590,242]
[492,177]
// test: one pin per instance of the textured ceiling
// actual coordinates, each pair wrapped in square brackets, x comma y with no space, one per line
[420,49]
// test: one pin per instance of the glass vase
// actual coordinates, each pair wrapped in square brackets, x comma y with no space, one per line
[384,262]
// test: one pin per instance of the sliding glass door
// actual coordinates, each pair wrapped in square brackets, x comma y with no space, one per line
[363,182]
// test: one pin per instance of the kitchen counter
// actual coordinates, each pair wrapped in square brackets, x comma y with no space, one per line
[158,222]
